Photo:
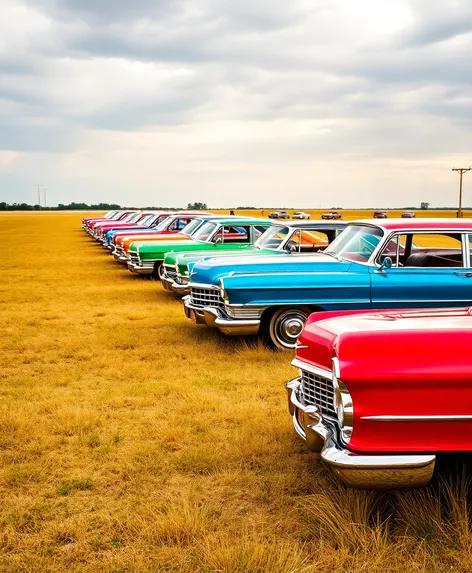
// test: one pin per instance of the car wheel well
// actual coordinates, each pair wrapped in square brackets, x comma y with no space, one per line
[268,313]
[155,271]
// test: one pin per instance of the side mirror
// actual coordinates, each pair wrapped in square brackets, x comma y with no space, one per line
[292,248]
[218,240]
[386,264]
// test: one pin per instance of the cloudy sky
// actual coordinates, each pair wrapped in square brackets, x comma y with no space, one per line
[303,103]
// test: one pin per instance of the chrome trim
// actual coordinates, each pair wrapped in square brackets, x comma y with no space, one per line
[374,471]
[214,319]
[302,365]
[433,418]
[342,403]
[179,288]
[416,301]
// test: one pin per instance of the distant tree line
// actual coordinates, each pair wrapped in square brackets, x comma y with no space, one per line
[61,207]
[197,206]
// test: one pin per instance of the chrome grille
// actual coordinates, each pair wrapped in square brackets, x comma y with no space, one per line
[134,258]
[170,272]
[318,391]
[206,297]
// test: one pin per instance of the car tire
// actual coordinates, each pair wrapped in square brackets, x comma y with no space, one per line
[282,329]
[157,271]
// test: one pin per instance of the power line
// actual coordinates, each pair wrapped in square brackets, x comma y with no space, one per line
[461,171]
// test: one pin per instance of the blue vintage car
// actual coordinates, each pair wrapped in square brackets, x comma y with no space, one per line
[394,264]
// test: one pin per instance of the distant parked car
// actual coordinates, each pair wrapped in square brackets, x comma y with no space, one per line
[408,214]
[331,215]
[279,215]
[301,215]
[380,214]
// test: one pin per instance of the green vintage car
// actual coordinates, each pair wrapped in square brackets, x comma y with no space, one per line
[213,237]
[294,237]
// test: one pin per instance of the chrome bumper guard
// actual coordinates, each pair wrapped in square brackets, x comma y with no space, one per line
[172,286]
[179,288]
[138,270]
[121,258]
[213,318]
[376,471]
[167,283]
[193,312]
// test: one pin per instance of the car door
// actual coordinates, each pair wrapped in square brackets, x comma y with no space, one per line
[429,270]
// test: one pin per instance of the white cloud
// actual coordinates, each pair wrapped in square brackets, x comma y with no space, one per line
[222,101]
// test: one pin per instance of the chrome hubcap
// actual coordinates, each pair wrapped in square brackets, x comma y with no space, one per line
[288,327]
[293,327]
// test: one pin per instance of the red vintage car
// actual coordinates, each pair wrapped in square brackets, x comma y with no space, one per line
[89,222]
[381,393]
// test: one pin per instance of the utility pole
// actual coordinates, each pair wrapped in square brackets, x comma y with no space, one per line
[461,171]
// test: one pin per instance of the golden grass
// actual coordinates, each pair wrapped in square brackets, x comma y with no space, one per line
[133,441]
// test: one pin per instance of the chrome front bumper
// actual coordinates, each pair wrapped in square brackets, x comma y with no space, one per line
[180,289]
[172,286]
[213,318]
[167,283]
[371,471]
[120,257]
[139,270]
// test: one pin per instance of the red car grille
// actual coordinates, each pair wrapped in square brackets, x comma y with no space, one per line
[318,391]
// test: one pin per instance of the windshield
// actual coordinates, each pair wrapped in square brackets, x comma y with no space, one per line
[273,238]
[130,218]
[164,224]
[356,243]
[191,227]
[205,231]
[145,220]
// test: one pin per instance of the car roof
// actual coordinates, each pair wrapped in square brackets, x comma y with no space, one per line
[420,223]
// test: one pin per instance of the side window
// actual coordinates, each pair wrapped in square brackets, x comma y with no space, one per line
[395,249]
[236,234]
[434,250]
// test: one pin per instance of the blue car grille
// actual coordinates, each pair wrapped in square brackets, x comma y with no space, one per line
[318,391]
[206,297]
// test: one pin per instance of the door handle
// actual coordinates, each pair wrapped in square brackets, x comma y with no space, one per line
[467,275]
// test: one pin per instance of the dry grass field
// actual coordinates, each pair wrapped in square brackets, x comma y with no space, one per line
[133,441]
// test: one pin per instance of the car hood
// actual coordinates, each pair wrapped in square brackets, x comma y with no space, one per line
[148,249]
[210,270]
[192,256]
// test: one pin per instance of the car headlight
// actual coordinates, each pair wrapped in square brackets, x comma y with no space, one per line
[342,402]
